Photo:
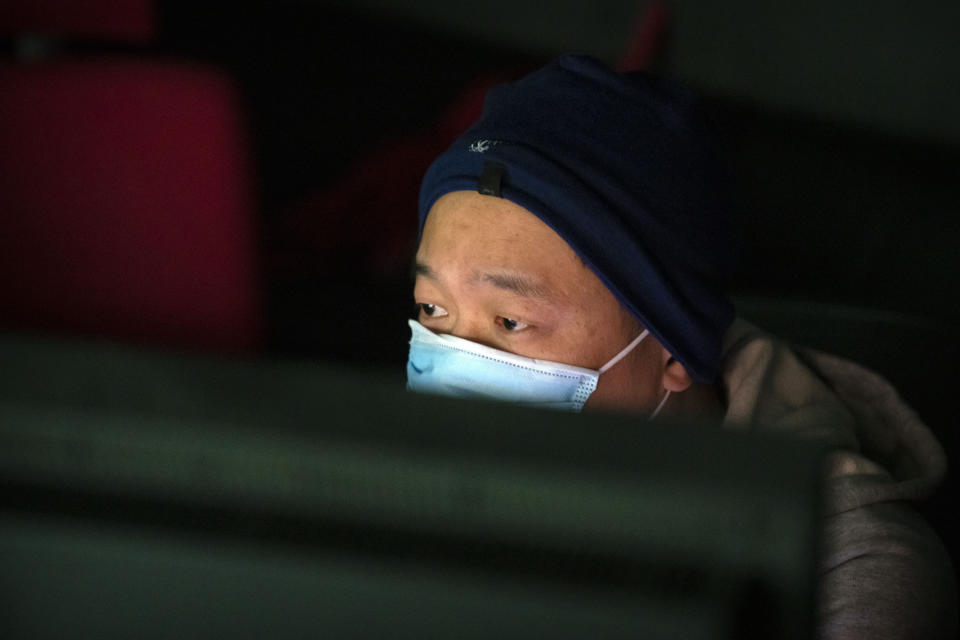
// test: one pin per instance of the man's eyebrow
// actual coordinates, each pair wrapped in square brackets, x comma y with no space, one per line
[516,283]
[420,269]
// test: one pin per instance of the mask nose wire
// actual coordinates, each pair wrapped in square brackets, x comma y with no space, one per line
[623,353]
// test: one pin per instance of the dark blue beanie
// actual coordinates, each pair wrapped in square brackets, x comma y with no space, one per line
[622,167]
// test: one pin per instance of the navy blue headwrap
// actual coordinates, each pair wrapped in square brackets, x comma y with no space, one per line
[622,167]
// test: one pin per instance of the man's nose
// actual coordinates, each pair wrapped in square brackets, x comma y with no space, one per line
[475,329]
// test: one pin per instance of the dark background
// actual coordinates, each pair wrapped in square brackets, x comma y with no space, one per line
[838,118]
[836,122]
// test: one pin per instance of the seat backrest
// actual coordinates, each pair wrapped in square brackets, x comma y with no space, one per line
[126,202]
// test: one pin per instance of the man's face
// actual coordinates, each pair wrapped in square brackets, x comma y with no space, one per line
[489,271]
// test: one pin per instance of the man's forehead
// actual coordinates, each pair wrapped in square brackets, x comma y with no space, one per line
[485,239]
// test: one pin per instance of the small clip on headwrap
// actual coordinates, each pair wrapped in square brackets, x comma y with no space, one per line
[490,178]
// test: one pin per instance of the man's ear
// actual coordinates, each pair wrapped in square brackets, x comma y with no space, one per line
[675,376]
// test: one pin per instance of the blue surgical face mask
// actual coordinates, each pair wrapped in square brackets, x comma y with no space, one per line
[446,365]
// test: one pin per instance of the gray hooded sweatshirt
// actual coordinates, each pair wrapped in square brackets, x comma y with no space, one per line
[884,573]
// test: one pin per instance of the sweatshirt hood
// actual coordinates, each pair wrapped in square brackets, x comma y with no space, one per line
[882,451]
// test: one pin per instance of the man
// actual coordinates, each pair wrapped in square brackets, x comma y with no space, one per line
[573,247]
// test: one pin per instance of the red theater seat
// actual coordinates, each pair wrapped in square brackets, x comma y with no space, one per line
[125,203]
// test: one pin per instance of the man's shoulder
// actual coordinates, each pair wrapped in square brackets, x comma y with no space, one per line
[884,574]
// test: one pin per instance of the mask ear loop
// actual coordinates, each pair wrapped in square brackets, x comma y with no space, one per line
[620,356]
[660,406]
[623,353]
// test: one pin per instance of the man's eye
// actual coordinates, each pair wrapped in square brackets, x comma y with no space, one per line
[432,310]
[512,325]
